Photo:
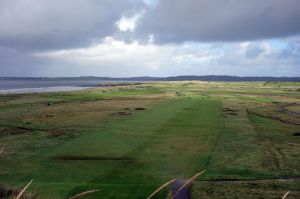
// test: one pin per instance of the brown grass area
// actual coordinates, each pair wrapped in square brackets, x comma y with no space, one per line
[271,189]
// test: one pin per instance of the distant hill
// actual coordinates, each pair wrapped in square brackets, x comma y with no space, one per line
[174,78]
[234,78]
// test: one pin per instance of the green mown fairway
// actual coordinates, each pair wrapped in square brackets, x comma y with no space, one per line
[127,141]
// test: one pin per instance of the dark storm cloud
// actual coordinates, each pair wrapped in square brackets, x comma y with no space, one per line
[15,63]
[66,37]
[56,24]
[221,20]
[59,24]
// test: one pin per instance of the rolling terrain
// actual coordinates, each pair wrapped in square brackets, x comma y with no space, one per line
[126,141]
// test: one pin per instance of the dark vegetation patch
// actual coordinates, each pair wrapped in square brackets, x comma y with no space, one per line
[245,189]
[90,158]
[11,130]
[120,84]
[22,127]
[14,130]
[46,116]
[296,134]
[6,193]
[123,113]
[57,133]
[189,83]
[140,109]
[292,104]
[229,112]
[49,116]
[192,108]
[271,117]
[284,108]
[275,102]
[281,109]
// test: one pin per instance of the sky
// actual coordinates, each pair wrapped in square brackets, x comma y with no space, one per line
[123,38]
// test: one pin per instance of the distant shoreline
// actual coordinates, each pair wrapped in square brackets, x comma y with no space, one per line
[42,89]
[221,78]
[37,86]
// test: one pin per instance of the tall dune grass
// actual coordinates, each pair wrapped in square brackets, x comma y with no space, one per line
[188,182]
[83,194]
[23,190]
[286,194]
[160,188]
[1,150]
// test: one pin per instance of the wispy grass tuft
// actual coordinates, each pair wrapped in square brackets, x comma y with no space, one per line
[83,194]
[160,188]
[189,181]
[2,150]
[23,190]
[286,194]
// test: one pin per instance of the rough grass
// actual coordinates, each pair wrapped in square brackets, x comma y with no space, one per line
[79,142]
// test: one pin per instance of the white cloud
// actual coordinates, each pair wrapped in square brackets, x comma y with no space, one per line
[128,23]
[113,53]
[117,58]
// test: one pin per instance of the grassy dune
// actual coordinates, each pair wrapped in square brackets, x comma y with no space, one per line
[128,140]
